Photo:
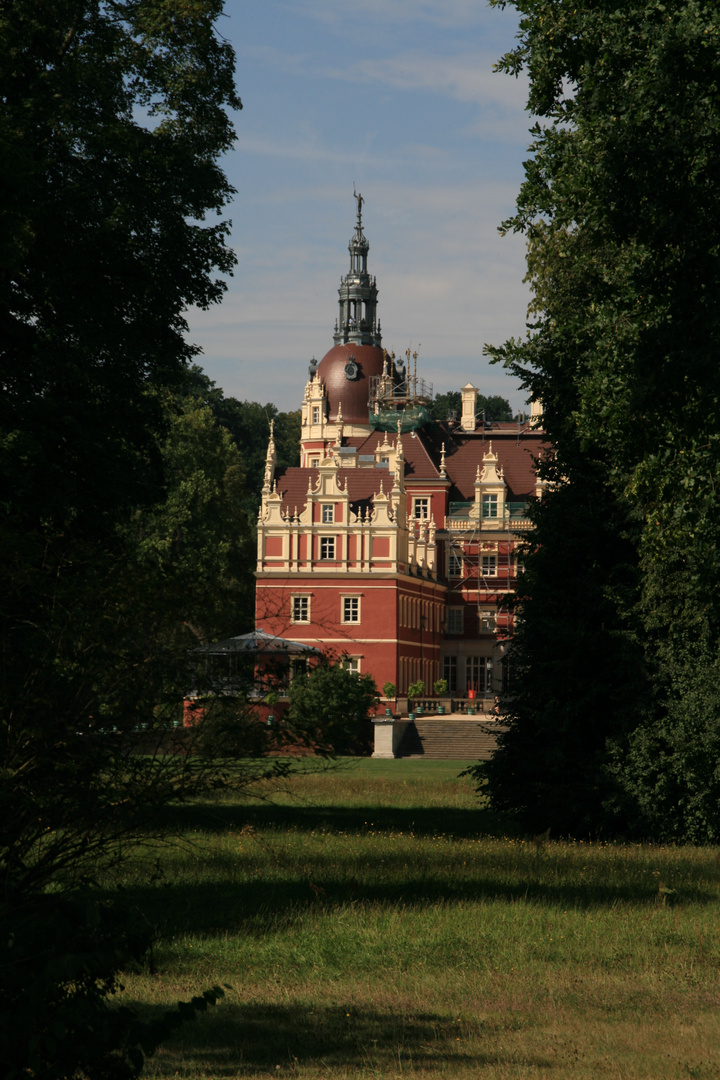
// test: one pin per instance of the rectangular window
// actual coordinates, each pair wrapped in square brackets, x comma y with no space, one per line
[350,609]
[316,414]
[314,463]
[487,622]
[454,564]
[328,513]
[479,674]
[421,509]
[489,506]
[455,620]
[474,672]
[300,609]
[489,566]
[327,547]
[450,672]
[298,669]
[352,664]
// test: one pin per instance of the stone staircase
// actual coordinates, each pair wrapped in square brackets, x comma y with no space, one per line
[449,738]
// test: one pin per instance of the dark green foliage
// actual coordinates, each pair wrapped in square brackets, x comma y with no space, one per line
[103,244]
[249,424]
[577,677]
[669,767]
[198,538]
[495,407]
[619,206]
[59,962]
[119,530]
[330,707]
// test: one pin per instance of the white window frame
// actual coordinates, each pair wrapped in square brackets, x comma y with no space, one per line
[327,549]
[421,508]
[327,513]
[352,664]
[488,566]
[455,564]
[489,505]
[300,608]
[488,621]
[315,414]
[315,463]
[350,605]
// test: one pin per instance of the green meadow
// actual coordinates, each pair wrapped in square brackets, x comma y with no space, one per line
[376,920]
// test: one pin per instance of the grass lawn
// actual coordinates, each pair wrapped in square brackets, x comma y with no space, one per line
[377,921]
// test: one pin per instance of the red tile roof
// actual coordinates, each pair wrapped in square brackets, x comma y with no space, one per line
[362,484]
[515,454]
[516,449]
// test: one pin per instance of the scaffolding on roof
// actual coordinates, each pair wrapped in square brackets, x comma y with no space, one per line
[399,397]
[409,418]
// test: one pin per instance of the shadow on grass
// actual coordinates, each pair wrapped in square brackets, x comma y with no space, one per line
[242,1040]
[419,820]
[225,898]
[261,906]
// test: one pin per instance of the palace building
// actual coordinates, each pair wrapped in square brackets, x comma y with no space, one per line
[395,543]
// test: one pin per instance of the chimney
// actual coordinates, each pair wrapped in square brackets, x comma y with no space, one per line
[469,402]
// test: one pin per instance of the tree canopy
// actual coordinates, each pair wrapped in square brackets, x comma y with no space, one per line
[120,529]
[619,207]
[248,422]
[114,117]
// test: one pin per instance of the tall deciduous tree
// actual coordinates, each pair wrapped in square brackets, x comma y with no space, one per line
[115,114]
[619,206]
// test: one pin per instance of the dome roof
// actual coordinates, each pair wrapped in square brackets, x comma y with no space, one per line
[349,384]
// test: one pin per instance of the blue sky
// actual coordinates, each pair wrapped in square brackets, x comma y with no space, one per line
[399,98]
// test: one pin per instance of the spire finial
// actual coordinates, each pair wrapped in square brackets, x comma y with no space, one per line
[360,201]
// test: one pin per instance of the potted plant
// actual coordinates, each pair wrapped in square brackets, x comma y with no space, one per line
[415,690]
[389,692]
[441,688]
[271,700]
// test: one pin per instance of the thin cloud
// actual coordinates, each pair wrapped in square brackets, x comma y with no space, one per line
[450,14]
[469,77]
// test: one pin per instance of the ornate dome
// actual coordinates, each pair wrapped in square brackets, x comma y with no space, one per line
[346,371]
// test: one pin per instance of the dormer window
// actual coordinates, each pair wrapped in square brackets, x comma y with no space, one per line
[328,513]
[421,509]
[316,414]
[489,506]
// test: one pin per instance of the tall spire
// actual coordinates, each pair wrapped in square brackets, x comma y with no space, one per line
[358,320]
